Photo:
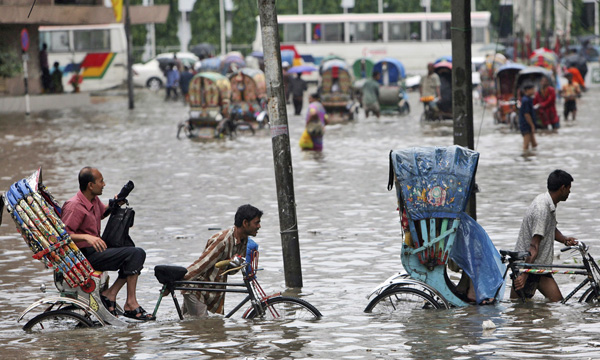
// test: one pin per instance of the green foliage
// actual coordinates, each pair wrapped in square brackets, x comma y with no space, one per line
[10,63]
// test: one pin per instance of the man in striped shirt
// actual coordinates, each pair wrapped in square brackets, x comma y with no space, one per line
[221,246]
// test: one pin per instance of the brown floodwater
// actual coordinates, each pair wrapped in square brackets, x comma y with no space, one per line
[348,227]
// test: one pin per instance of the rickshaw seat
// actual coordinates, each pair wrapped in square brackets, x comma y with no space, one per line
[168,274]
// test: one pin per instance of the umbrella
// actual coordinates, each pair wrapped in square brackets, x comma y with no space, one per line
[443,64]
[447,58]
[301,69]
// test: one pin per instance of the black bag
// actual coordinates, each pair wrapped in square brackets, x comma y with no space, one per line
[116,232]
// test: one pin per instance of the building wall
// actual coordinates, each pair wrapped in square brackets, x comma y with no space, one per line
[10,37]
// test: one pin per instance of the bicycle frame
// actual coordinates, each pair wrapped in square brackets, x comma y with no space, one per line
[589,269]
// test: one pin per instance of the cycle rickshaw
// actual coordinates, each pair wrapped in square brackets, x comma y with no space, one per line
[77,302]
[209,105]
[336,91]
[506,104]
[392,94]
[433,185]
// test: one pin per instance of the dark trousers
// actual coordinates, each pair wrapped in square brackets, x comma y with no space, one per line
[127,260]
[297,104]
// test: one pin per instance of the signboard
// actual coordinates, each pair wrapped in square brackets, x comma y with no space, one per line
[24,40]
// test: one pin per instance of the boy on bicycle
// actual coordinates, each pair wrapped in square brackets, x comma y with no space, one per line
[537,234]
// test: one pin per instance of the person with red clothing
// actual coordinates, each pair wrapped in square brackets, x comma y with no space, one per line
[82,215]
[545,102]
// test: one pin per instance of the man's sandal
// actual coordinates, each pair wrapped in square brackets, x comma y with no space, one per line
[143,315]
[108,304]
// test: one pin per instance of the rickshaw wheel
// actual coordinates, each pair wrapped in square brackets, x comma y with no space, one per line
[400,301]
[57,320]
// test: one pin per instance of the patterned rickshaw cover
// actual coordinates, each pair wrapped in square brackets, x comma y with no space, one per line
[434,182]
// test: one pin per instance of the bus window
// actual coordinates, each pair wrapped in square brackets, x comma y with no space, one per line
[92,40]
[404,31]
[328,32]
[438,30]
[365,32]
[57,41]
[294,33]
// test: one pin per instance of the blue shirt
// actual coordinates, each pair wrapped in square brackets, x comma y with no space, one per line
[526,108]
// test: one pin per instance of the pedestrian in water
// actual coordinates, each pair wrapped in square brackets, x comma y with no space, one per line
[184,82]
[545,102]
[297,88]
[45,68]
[526,117]
[315,124]
[537,235]
[570,92]
[370,95]
[172,82]
[56,85]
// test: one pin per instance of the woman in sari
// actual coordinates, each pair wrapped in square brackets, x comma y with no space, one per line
[545,102]
[315,122]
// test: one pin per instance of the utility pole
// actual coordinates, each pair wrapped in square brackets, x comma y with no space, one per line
[462,83]
[280,138]
[129,56]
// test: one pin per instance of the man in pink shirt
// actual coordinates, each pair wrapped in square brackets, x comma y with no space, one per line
[82,215]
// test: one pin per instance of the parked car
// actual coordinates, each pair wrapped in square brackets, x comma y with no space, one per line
[151,74]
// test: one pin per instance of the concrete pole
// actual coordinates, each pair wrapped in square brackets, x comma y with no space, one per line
[129,56]
[280,138]
[462,84]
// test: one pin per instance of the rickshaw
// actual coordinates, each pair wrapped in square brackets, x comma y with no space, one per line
[248,98]
[392,94]
[336,91]
[444,70]
[506,102]
[488,86]
[433,186]
[209,95]
[78,302]
[362,70]
[532,75]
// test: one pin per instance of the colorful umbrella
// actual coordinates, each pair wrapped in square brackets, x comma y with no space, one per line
[301,69]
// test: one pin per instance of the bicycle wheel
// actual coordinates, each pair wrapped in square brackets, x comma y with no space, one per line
[57,320]
[401,300]
[286,308]
[589,296]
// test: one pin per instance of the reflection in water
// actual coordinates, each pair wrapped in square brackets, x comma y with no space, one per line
[348,226]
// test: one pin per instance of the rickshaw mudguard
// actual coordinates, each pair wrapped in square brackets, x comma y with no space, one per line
[403,279]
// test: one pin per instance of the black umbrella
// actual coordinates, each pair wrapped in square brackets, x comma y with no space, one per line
[203,50]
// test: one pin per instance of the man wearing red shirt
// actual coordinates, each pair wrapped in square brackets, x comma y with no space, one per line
[82,215]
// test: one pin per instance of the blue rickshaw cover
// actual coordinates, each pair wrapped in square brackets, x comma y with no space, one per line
[436,182]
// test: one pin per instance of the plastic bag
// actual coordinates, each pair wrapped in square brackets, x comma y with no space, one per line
[475,253]
[306,141]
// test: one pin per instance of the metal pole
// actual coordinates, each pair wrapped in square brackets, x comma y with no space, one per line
[280,138]
[462,83]
[129,56]
[222,22]
[26,83]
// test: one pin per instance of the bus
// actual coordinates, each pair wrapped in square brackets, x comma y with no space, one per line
[412,38]
[96,55]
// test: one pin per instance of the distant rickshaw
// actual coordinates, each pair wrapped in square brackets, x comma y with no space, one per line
[248,97]
[362,70]
[486,72]
[209,96]
[232,62]
[506,101]
[444,70]
[336,91]
[392,94]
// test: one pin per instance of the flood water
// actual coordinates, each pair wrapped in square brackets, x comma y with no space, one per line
[348,225]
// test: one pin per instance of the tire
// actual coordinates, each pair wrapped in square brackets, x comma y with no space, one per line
[399,301]
[589,297]
[286,308]
[154,84]
[57,320]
